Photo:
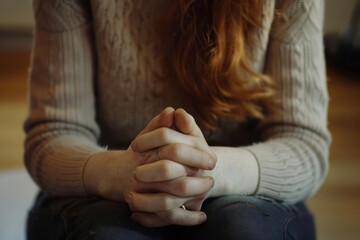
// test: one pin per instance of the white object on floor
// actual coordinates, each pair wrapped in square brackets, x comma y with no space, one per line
[17,192]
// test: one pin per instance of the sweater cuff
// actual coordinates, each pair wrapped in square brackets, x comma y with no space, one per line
[280,177]
[60,165]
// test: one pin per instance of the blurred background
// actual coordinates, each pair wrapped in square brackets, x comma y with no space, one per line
[336,206]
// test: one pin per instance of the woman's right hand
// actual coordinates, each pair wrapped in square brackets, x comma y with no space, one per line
[109,174]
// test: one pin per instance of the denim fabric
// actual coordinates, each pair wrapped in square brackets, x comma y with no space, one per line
[246,217]
[229,217]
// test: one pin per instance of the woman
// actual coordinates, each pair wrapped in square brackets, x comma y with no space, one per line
[245,147]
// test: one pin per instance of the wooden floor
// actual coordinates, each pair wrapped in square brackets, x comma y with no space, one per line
[336,206]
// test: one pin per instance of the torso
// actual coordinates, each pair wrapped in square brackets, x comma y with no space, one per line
[128,55]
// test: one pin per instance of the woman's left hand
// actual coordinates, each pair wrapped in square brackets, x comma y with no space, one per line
[177,178]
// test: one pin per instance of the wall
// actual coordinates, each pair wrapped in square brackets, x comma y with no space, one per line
[16,15]
[337,15]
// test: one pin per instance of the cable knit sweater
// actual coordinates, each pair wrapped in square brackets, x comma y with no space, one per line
[91,87]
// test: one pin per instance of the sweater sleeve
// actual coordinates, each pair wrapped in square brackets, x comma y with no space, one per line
[61,131]
[293,152]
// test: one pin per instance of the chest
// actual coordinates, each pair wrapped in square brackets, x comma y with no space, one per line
[129,91]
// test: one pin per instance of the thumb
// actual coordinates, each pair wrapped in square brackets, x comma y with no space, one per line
[185,123]
[164,119]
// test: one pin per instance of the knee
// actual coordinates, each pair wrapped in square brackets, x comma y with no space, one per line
[240,217]
[107,220]
[94,220]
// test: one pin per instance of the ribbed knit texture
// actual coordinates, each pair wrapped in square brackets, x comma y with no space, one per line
[92,83]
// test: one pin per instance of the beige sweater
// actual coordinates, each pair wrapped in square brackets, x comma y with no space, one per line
[91,88]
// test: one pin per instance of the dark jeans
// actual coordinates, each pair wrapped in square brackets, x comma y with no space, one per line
[229,217]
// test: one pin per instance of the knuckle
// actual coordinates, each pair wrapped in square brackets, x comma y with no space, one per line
[164,134]
[171,150]
[170,216]
[166,203]
[165,168]
[146,157]
[134,145]
[175,150]
[183,187]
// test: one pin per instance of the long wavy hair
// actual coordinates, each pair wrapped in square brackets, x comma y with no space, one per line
[208,44]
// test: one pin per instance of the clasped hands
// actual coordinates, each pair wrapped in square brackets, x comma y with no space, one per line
[172,168]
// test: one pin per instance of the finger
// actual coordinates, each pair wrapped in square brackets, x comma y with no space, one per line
[179,153]
[196,203]
[173,145]
[164,136]
[179,216]
[164,119]
[186,124]
[188,155]
[153,202]
[162,170]
[148,157]
[193,159]
[182,187]
[175,216]
[157,138]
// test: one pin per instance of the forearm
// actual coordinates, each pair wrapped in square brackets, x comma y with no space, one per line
[236,172]
[61,128]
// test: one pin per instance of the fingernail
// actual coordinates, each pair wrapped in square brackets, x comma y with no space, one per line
[211,165]
[212,182]
[203,217]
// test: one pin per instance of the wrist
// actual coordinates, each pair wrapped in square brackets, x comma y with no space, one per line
[90,173]
[236,172]
[101,172]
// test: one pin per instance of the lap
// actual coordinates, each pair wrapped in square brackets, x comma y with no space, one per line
[229,217]
[85,218]
[248,217]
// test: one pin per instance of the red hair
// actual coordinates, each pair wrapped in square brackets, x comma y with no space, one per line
[208,44]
